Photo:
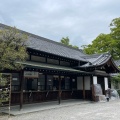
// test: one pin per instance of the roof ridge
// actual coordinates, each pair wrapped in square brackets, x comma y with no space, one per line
[46,39]
[102,55]
[94,55]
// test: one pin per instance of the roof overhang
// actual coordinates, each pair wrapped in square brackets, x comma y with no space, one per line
[31,64]
[105,61]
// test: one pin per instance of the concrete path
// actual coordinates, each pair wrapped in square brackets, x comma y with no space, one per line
[29,108]
[90,111]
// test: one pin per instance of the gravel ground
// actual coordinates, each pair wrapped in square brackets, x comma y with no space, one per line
[91,111]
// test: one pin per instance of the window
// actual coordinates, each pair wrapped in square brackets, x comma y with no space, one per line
[41,82]
[38,59]
[67,83]
[64,63]
[15,84]
[49,82]
[52,61]
[31,84]
[62,82]
[74,83]
[55,82]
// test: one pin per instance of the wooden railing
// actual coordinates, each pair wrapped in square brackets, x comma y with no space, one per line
[48,95]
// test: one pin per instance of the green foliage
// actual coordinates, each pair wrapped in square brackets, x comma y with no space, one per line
[4,88]
[12,48]
[118,92]
[104,43]
[107,42]
[74,46]
[66,41]
[115,28]
[115,80]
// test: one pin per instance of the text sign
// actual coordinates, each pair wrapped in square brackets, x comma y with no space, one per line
[31,74]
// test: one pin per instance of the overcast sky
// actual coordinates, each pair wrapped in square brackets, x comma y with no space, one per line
[81,20]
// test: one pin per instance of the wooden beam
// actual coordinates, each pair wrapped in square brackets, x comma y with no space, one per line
[59,97]
[83,87]
[21,88]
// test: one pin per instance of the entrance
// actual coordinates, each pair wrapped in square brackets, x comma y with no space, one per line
[101,82]
[31,84]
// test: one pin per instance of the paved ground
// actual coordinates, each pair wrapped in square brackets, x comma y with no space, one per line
[90,111]
[28,108]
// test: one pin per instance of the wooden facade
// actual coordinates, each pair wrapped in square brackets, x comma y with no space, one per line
[50,84]
[54,71]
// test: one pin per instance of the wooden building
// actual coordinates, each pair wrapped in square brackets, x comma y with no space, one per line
[54,71]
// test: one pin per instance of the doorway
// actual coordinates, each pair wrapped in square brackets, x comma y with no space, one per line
[31,84]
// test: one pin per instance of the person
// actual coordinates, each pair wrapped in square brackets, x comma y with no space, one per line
[108,94]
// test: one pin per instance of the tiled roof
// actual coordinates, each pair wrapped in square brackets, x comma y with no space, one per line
[43,44]
[50,67]
[96,60]
[117,62]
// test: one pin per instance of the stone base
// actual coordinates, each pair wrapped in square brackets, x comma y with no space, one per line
[100,98]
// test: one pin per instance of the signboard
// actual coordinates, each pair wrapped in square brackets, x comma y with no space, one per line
[15,79]
[31,74]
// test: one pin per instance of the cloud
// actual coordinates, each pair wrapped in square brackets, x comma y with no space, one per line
[82,21]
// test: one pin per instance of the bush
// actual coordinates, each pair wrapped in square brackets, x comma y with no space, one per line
[118,92]
[4,89]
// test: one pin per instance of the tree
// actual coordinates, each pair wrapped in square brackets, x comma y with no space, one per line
[103,43]
[115,80]
[115,28]
[66,41]
[12,49]
[106,42]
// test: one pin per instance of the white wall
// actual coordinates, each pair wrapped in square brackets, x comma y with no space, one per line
[87,82]
[79,83]
[106,83]
[94,79]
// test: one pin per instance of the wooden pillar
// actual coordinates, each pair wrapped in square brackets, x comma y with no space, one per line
[91,81]
[91,84]
[30,57]
[83,87]
[59,97]
[21,88]
[59,61]
[45,81]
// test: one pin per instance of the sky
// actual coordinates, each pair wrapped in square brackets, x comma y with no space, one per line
[80,20]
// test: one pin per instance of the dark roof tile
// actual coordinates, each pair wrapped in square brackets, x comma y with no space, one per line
[117,62]
[97,60]
[43,44]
